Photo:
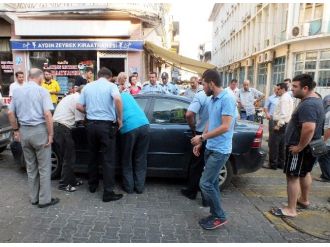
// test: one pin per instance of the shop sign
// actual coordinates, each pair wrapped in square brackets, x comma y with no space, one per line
[85,45]
[7,66]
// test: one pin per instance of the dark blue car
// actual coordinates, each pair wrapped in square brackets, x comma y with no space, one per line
[170,149]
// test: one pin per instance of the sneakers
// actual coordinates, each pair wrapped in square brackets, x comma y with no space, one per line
[78,183]
[210,223]
[189,194]
[68,188]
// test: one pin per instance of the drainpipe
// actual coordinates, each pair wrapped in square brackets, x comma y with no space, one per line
[288,64]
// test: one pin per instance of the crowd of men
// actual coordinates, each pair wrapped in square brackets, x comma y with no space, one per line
[107,107]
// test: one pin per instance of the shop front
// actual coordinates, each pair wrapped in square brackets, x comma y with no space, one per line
[67,59]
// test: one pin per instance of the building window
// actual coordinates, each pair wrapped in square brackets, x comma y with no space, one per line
[262,77]
[310,11]
[314,63]
[324,69]
[278,70]
[250,75]
[241,74]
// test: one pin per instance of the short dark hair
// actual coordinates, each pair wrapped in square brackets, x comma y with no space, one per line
[48,71]
[135,73]
[233,81]
[89,69]
[212,75]
[154,73]
[104,72]
[19,73]
[282,85]
[305,80]
[287,80]
[130,78]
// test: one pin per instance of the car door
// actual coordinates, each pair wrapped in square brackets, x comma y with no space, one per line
[170,148]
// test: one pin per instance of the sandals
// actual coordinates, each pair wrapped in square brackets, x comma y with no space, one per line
[301,205]
[278,212]
[68,188]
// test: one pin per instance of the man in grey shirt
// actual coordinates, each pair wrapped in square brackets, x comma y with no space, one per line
[32,106]
[247,99]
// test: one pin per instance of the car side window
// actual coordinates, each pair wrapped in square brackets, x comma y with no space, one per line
[142,102]
[169,111]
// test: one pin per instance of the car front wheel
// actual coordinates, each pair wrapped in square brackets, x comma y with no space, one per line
[56,163]
[225,176]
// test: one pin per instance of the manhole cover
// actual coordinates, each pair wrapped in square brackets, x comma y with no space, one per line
[313,222]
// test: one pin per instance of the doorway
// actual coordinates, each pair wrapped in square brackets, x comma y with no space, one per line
[116,65]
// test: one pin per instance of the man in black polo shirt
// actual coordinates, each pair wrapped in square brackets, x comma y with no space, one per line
[305,126]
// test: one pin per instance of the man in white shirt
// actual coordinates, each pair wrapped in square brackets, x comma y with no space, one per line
[233,86]
[18,83]
[281,117]
[65,117]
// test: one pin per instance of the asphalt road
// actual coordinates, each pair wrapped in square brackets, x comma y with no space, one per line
[161,214]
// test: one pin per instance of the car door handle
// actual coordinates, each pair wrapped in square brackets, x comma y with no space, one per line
[189,133]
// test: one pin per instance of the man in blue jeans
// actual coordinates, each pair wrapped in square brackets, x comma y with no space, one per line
[218,133]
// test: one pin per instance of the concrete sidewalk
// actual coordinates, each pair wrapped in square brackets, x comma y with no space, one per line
[267,188]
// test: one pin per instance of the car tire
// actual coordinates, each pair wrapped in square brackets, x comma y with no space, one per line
[56,163]
[3,149]
[225,176]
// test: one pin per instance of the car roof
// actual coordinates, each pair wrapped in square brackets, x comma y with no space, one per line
[167,96]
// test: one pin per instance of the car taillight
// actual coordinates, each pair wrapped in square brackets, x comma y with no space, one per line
[258,138]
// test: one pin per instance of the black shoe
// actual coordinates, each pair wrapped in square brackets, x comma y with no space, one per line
[92,188]
[138,191]
[189,194]
[35,203]
[51,203]
[269,167]
[112,196]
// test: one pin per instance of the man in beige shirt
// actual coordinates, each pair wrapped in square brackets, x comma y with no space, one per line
[281,117]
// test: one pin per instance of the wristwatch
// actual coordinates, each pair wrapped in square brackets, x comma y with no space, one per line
[16,129]
[202,138]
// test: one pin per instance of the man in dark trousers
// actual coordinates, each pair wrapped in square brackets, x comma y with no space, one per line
[65,117]
[306,125]
[197,108]
[102,103]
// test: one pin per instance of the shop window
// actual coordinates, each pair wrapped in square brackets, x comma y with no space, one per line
[241,75]
[65,65]
[6,72]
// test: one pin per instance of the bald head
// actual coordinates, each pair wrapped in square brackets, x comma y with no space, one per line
[246,85]
[36,75]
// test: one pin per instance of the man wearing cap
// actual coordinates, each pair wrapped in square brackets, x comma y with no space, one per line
[153,86]
[169,87]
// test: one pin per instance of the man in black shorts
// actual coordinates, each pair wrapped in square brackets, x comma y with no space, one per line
[305,125]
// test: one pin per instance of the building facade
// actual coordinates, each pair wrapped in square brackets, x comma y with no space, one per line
[267,43]
[67,37]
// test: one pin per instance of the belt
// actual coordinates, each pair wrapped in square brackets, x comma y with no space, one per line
[101,122]
[60,125]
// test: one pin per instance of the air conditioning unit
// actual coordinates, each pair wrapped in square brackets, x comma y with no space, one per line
[248,62]
[261,58]
[269,55]
[232,67]
[237,65]
[300,31]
